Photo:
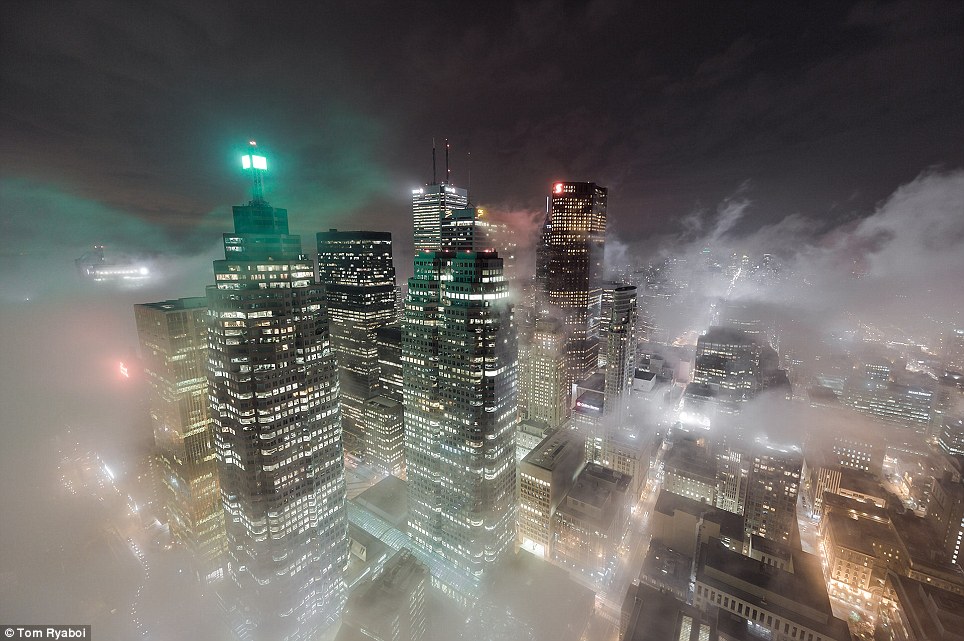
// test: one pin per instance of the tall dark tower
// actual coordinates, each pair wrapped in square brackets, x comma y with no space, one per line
[569,268]
[273,389]
[359,276]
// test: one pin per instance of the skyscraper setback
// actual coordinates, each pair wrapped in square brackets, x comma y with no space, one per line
[459,368]
[274,401]
[569,267]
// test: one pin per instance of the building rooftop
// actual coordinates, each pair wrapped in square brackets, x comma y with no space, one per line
[731,524]
[382,401]
[775,549]
[535,427]
[377,603]
[590,402]
[388,499]
[596,495]
[689,459]
[836,502]
[799,596]
[552,449]
[861,482]
[596,383]
[726,335]
[859,534]
[932,613]
[177,304]
[656,615]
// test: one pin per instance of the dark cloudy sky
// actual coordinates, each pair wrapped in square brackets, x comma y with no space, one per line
[122,120]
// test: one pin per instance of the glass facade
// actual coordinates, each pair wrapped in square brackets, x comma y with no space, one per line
[569,268]
[359,276]
[274,393]
[429,206]
[173,344]
[459,369]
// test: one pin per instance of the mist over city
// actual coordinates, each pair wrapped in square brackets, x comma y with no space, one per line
[519,321]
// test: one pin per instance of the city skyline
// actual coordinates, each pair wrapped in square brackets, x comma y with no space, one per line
[590,321]
[766,106]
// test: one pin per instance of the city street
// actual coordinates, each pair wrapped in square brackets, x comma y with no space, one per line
[135,578]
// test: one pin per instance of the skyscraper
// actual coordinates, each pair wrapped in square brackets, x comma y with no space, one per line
[467,230]
[619,337]
[569,267]
[429,206]
[173,342]
[359,277]
[388,341]
[771,500]
[274,401]
[459,368]
[542,368]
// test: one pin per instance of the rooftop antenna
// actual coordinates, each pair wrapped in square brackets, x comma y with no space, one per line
[469,162]
[434,179]
[448,172]
[257,164]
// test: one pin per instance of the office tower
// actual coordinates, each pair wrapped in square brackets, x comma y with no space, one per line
[951,439]
[952,348]
[619,337]
[391,606]
[542,372]
[732,476]
[771,501]
[731,367]
[273,388]
[569,268]
[945,512]
[505,240]
[388,341]
[728,361]
[608,288]
[624,451]
[690,470]
[173,342]
[359,278]
[910,405]
[384,434]
[429,206]
[589,416]
[466,230]
[459,366]
[545,476]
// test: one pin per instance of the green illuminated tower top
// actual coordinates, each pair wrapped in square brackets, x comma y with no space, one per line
[257,165]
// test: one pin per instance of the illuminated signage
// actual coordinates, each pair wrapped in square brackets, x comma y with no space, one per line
[258,162]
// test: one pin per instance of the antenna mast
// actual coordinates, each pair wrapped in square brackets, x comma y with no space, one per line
[448,172]
[434,178]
